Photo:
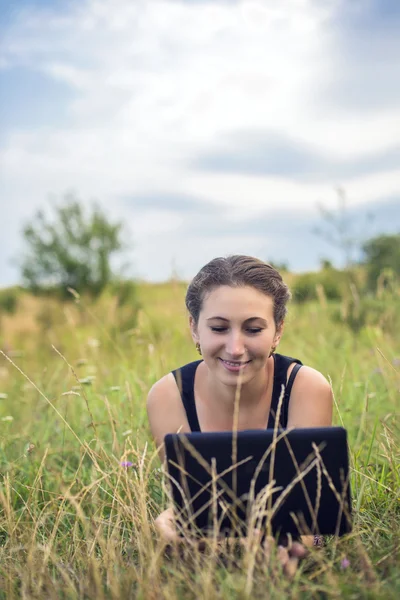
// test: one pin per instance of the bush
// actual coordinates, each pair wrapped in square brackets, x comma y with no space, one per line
[366,311]
[9,300]
[382,255]
[122,296]
[72,247]
[125,292]
[305,287]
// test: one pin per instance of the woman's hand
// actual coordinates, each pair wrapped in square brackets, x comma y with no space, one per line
[165,525]
[289,556]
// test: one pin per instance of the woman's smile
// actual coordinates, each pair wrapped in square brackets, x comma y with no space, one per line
[234,366]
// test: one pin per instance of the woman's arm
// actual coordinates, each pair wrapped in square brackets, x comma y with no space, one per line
[165,411]
[311,400]
[166,415]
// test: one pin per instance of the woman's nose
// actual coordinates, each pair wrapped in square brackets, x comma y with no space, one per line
[235,346]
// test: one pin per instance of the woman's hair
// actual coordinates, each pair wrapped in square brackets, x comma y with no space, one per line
[238,271]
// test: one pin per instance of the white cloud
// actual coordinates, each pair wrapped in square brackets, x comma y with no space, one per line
[159,82]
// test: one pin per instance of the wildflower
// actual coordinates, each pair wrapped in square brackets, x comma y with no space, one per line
[3,396]
[126,464]
[345,563]
[8,418]
[377,371]
[29,448]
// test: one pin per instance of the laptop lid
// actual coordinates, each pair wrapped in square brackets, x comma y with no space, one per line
[287,481]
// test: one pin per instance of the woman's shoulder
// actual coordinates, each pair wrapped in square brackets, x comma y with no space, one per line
[165,410]
[306,374]
[311,399]
[167,389]
[163,388]
[168,381]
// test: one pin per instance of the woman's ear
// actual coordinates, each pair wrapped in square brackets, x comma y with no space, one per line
[193,329]
[278,333]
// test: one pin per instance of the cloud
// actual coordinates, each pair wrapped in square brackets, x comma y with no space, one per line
[367,219]
[271,153]
[364,74]
[215,110]
[173,203]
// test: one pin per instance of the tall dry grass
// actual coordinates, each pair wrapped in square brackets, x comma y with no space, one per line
[81,484]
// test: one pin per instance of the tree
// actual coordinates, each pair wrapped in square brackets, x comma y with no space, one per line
[338,229]
[71,249]
[381,255]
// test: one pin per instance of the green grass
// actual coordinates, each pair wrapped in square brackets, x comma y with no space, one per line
[74,523]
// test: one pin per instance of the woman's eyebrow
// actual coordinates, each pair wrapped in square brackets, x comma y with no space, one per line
[220,318]
[246,321]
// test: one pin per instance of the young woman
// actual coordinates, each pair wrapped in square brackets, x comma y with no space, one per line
[237,308]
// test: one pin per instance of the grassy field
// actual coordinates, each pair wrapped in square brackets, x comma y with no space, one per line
[80,482]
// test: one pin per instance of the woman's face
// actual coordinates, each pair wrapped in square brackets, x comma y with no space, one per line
[236,331]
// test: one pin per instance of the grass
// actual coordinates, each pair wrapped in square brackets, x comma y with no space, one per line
[76,523]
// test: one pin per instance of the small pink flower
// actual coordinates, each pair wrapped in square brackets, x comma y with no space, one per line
[126,464]
[345,563]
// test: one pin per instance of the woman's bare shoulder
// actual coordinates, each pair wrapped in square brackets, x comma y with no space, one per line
[308,378]
[163,388]
[165,410]
[311,400]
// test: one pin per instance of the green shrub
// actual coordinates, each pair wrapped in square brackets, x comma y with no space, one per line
[305,287]
[127,301]
[72,246]
[382,254]
[359,311]
[125,292]
[9,300]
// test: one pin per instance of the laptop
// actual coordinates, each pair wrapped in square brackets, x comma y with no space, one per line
[280,481]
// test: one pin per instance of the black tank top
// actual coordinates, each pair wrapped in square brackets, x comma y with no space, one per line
[185,381]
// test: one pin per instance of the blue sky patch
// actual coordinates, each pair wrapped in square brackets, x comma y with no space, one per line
[31,100]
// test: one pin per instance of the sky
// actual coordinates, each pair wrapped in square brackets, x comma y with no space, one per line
[208,127]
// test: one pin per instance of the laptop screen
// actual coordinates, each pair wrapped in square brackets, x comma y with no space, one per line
[287,481]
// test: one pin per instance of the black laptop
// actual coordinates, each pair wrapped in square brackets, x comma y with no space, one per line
[284,481]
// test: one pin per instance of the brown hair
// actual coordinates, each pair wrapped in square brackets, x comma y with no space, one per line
[238,271]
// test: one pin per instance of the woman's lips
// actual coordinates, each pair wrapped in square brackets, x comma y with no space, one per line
[234,367]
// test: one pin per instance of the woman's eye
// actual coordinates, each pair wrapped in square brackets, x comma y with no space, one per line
[251,330]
